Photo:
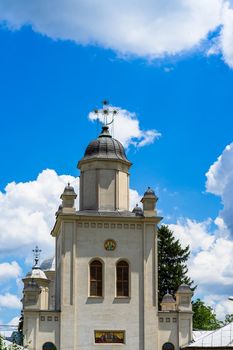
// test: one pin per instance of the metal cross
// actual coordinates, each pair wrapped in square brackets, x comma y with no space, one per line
[36,254]
[106,111]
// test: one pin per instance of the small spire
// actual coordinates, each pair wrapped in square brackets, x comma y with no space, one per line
[105,132]
[36,254]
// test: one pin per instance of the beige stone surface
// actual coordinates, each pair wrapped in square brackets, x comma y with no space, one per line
[104,185]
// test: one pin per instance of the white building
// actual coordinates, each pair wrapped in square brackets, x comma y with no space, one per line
[102,293]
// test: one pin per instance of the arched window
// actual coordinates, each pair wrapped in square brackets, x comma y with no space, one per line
[168,346]
[122,279]
[96,279]
[49,346]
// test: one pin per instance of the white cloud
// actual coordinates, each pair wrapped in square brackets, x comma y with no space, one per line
[149,29]
[226,37]
[28,212]
[211,261]
[9,301]
[220,182]
[193,233]
[212,267]
[14,321]
[220,304]
[135,198]
[9,270]
[127,129]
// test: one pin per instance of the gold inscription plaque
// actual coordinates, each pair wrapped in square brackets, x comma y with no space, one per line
[109,337]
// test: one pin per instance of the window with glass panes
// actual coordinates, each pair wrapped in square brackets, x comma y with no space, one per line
[122,282]
[96,280]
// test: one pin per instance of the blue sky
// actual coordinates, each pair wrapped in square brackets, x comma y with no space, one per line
[49,88]
[50,80]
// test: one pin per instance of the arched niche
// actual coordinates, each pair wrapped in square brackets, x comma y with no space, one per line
[49,346]
[168,346]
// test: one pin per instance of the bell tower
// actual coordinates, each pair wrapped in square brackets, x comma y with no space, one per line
[104,173]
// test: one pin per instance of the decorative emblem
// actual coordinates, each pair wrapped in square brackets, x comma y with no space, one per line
[110,244]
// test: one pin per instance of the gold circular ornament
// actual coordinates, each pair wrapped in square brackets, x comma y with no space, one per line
[110,245]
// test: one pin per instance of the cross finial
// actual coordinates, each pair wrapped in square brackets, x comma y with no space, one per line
[106,114]
[36,254]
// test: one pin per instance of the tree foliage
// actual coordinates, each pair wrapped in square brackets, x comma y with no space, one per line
[9,347]
[204,317]
[2,345]
[228,319]
[172,258]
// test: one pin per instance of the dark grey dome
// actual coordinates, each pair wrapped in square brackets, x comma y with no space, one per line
[137,211]
[69,188]
[105,147]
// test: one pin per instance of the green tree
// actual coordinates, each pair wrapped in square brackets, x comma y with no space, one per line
[172,258]
[9,347]
[228,319]
[2,345]
[172,272]
[204,317]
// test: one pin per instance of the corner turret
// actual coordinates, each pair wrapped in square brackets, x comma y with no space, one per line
[68,200]
[168,303]
[183,298]
[149,202]
[35,292]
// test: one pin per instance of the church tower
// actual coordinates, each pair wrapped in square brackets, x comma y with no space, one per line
[104,175]
[106,262]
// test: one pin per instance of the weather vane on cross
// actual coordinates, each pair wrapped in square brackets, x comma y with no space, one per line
[106,114]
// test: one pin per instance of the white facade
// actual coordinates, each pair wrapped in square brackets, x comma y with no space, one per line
[60,308]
